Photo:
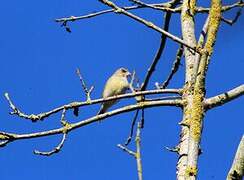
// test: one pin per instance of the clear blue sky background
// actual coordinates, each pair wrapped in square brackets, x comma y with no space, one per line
[38,62]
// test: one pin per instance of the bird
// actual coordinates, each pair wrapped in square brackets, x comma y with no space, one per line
[117,84]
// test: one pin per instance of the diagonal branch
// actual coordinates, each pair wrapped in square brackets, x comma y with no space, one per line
[132,128]
[174,69]
[72,105]
[125,149]
[237,169]
[148,24]
[224,97]
[200,43]
[161,47]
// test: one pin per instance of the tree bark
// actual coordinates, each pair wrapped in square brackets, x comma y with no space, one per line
[188,33]
[194,90]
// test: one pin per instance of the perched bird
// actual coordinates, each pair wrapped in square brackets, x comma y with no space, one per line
[117,84]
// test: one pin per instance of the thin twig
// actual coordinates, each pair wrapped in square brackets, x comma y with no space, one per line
[84,87]
[136,154]
[162,98]
[132,81]
[16,111]
[60,145]
[133,89]
[142,122]
[174,149]
[174,68]
[200,43]
[5,138]
[132,128]
[224,8]
[125,149]
[55,150]
[142,4]
[4,143]
[233,21]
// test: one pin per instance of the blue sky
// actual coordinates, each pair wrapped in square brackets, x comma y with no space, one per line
[38,62]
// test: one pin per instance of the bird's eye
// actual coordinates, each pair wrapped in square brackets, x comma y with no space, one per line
[123,70]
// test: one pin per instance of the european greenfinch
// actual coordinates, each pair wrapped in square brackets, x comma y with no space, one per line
[117,84]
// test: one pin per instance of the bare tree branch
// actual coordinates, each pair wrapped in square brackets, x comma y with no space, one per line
[125,149]
[72,105]
[10,137]
[132,128]
[200,43]
[138,150]
[55,150]
[161,46]
[174,69]
[158,6]
[162,98]
[136,154]
[148,24]
[223,9]
[134,79]
[166,8]
[231,22]
[60,145]
[84,87]
[173,149]
[224,98]
[237,169]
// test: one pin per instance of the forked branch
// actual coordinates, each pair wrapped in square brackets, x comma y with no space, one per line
[137,154]
[6,138]
[148,24]
[233,21]
[60,145]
